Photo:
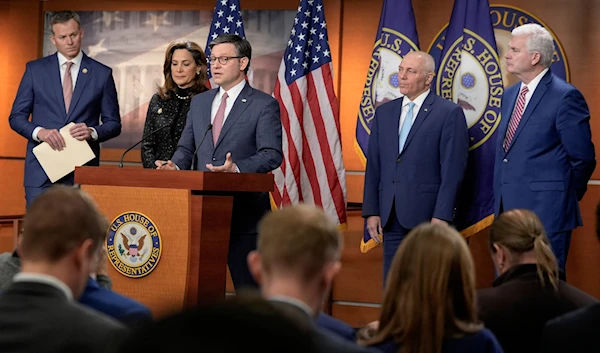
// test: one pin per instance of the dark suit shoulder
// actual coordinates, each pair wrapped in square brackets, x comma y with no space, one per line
[96,64]
[258,94]
[588,316]
[442,103]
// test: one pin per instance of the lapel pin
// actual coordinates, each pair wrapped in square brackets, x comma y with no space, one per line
[243,100]
[425,109]
[85,70]
[159,111]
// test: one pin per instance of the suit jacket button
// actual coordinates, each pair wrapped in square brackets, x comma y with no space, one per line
[214,159]
[505,160]
[399,159]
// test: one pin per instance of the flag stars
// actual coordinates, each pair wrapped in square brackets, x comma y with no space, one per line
[321,36]
[313,31]
[305,65]
[238,24]
[295,20]
[310,42]
[326,52]
[223,2]
[293,32]
[307,13]
[232,7]
[315,59]
[229,18]
[293,72]
[226,30]
[306,53]
[310,2]
[301,36]
[295,61]
[217,24]
[214,35]
[318,47]
[305,25]
[323,24]
[290,43]
[220,13]
[319,8]
[298,48]
[316,19]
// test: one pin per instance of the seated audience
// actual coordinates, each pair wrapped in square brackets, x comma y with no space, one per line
[429,298]
[245,323]
[528,291]
[575,331]
[297,257]
[97,293]
[62,233]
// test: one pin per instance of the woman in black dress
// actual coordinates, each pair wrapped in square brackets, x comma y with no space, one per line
[185,76]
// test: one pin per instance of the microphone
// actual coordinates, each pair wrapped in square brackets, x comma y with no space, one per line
[208,128]
[140,141]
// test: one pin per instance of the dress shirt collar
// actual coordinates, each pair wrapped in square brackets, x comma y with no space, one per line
[295,302]
[45,279]
[532,85]
[233,92]
[76,60]
[418,101]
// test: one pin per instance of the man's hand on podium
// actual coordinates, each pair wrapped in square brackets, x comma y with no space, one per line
[165,165]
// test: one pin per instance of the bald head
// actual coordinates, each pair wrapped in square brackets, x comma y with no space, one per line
[415,74]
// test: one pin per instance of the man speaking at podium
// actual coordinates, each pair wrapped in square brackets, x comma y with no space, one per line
[233,129]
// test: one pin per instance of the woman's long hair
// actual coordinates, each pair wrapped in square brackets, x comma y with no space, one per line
[165,91]
[520,231]
[430,291]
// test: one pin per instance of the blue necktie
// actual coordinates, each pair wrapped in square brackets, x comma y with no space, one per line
[406,125]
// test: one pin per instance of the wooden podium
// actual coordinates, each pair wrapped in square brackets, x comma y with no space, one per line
[192,213]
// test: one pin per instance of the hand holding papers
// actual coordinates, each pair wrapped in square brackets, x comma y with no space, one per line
[56,163]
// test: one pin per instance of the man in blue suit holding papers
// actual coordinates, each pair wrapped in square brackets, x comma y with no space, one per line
[65,87]
[416,160]
[544,152]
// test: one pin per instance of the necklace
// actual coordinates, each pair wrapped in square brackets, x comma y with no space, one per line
[181,97]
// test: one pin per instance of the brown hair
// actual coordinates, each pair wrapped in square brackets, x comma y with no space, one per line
[63,17]
[199,86]
[298,239]
[521,231]
[430,291]
[58,221]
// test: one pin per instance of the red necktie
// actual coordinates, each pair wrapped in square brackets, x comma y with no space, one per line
[219,118]
[68,86]
[516,118]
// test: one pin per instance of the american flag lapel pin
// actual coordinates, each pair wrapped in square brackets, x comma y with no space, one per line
[243,100]
[85,70]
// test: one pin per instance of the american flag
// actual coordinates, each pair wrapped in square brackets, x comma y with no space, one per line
[313,167]
[227,19]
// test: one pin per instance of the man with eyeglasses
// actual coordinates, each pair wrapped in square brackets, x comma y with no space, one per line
[246,138]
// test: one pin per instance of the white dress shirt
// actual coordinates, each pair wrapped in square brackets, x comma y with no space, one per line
[418,104]
[232,95]
[62,66]
[532,86]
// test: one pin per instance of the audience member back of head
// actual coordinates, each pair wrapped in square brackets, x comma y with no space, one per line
[62,233]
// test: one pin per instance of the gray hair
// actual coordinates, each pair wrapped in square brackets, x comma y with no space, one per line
[428,61]
[539,40]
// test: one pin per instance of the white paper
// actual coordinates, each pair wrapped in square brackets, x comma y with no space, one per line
[57,164]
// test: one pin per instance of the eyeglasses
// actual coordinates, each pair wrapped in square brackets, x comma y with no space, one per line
[222,59]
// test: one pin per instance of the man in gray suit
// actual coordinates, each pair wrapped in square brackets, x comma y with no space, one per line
[245,138]
[62,235]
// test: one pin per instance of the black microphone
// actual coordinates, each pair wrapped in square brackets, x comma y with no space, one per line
[208,128]
[140,141]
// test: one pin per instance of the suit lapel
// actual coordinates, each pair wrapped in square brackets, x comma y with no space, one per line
[55,83]
[539,92]
[241,103]
[82,80]
[423,112]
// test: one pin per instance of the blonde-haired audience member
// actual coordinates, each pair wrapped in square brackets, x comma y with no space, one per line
[429,299]
[297,257]
[528,291]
